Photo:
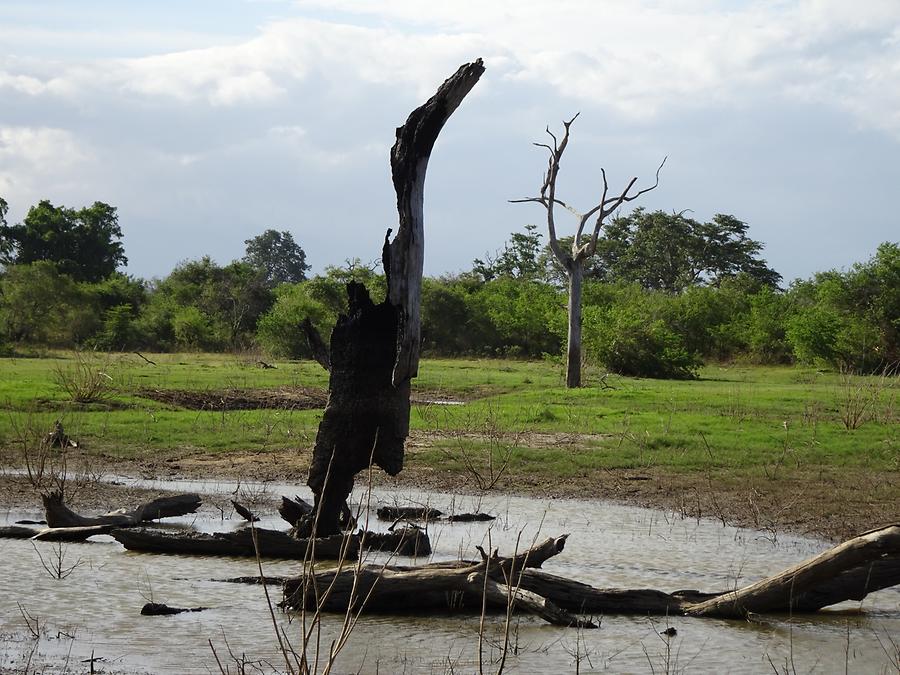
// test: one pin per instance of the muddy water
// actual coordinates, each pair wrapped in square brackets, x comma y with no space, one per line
[95,610]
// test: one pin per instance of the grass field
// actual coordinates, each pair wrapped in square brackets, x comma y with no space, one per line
[773,418]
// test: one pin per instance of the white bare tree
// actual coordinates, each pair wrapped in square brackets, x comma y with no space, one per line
[583,245]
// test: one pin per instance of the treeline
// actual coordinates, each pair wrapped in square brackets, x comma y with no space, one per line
[664,294]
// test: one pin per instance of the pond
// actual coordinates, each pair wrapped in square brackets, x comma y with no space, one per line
[95,610]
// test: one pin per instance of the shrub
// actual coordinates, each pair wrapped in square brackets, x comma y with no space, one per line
[631,342]
[278,330]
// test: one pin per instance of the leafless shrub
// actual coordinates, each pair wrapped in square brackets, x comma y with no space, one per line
[859,396]
[89,378]
[47,454]
[32,623]
[479,442]
[55,564]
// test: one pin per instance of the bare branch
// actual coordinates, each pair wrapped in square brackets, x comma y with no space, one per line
[625,197]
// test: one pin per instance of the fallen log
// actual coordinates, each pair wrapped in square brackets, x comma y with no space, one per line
[429,587]
[270,543]
[470,517]
[58,514]
[849,571]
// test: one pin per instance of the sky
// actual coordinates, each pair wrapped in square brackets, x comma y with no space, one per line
[207,122]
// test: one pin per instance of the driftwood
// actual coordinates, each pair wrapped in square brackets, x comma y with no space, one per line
[374,351]
[58,514]
[240,543]
[430,587]
[848,571]
[72,533]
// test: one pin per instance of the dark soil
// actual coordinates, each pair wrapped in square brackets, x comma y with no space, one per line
[281,398]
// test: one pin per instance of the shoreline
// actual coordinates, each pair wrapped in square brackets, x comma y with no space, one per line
[825,503]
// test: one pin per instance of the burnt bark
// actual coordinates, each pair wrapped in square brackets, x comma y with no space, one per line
[375,347]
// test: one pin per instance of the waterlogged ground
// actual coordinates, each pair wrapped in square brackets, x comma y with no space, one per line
[95,610]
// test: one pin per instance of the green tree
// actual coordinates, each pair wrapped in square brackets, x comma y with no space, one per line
[39,305]
[83,243]
[631,336]
[671,252]
[228,302]
[520,258]
[850,319]
[278,256]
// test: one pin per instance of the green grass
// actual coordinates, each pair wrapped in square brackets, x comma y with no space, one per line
[735,417]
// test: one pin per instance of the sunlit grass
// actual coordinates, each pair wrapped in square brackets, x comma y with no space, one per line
[732,417]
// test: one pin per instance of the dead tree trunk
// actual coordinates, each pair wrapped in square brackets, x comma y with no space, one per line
[573,347]
[584,245]
[375,348]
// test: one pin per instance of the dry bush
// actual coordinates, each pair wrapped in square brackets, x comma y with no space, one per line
[89,378]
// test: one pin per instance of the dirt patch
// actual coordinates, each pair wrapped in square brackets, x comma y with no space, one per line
[281,398]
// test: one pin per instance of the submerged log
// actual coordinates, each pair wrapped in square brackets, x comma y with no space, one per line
[375,347]
[470,517]
[848,571]
[271,544]
[159,609]
[58,514]
[244,512]
[429,587]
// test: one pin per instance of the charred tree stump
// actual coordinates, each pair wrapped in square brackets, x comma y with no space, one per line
[375,347]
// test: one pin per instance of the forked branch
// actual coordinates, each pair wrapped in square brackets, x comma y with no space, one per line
[603,209]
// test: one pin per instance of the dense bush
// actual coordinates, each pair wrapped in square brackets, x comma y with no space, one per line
[279,332]
[630,337]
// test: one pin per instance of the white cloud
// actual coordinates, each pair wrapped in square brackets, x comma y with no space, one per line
[40,147]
